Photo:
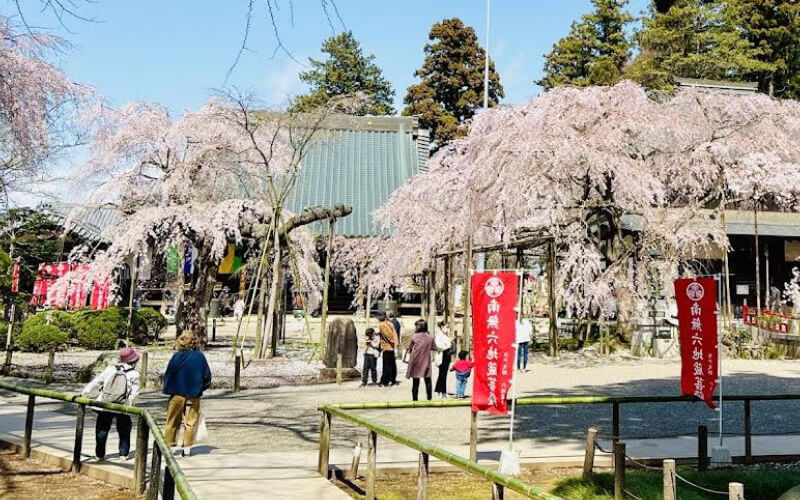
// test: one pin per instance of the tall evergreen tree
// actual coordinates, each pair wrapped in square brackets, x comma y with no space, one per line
[594,52]
[694,39]
[773,27]
[346,71]
[451,89]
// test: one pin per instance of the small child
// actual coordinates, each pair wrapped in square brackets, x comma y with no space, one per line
[371,357]
[463,368]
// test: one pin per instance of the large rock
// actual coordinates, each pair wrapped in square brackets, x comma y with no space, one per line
[793,494]
[341,338]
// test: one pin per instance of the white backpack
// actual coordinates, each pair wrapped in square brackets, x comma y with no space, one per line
[115,389]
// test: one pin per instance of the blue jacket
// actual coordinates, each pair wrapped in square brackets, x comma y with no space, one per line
[187,374]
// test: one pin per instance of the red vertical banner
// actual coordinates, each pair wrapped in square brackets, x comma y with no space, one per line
[15,277]
[494,303]
[697,320]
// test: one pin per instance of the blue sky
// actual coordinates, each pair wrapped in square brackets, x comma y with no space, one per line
[177,52]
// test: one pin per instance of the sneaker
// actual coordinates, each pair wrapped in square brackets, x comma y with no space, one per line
[177,451]
[363,384]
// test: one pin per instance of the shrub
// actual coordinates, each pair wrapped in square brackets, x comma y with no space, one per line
[147,325]
[100,329]
[46,330]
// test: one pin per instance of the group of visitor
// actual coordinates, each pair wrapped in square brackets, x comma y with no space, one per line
[185,379]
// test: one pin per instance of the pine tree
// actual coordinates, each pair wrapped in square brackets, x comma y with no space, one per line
[451,89]
[346,71]
[773,27]
[595,50]
[694,39]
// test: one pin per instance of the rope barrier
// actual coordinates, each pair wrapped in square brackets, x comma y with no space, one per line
[628,492]
[706,490]
[643,466]
[602,450]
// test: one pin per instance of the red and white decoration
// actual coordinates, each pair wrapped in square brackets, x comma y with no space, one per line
[697,320]
[74,296]
[494,302]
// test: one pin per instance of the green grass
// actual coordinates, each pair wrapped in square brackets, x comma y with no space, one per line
[647,485]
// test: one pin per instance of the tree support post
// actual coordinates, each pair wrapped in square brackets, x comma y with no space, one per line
[237,373]
[422,483]
[51,358]
[155,474]
[702,448]
[473,436]
[669,480]
[551,297]
[588,458]
[323,323]
[26,439]
[432,301]
[324,444]
[140,462]
[372,464]
[735,491]
[76,449]
[619,471]
[143,370]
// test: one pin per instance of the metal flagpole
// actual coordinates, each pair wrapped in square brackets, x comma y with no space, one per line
[486,62]
[509,462]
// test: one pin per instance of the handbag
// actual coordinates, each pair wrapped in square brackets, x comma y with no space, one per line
[202,430]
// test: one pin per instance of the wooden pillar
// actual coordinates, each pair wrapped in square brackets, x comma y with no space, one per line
[498,491]
[432,301]
[324,444]
[323,324]
[422,481]
[748,438]
[237,373]
[213,329]
[615,422]
[451,307]
[669,480]
[619,471]
[168,492]
[76,449]
[423,307]
[702,448]
[339,368]
[143,370]
[155,474]
[372,472]
[551,299]
[368,312]
[26,439]
[278,311]
[446,290]
[140,462]
[356,462]
[473,436]
[51,359]
[466,328]
[588,457]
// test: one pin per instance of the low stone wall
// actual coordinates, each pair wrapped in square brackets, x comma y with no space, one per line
[787,346]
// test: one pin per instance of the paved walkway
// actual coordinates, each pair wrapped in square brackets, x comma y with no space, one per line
[212,473]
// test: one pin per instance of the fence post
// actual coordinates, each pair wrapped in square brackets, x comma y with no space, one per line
[355,463]
[498,491]
[339,364]
[143,371]
[615,422]
[748,438]
[155,474]
[140,462]
[619,471]
[669,480]
[422,484]
[213,329]
[702,448]
[473,437]
[51,358]
[76,449]
[735,491]
[237,373]
[372,472]
[324,444]
[588,457]
[26,439]
[168,492]
[9,352]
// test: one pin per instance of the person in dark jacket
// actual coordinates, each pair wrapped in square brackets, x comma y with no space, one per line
[187,376]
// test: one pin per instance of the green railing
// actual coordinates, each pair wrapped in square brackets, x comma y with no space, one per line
[499,480]
[174,479]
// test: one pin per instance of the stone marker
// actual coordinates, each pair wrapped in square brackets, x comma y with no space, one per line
[341,337]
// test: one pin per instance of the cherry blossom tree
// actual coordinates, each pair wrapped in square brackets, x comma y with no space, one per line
[37,106]
[208,178]
[622,181]
[351,259]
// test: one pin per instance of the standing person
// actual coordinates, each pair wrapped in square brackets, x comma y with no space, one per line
[187,376]
[444,346]
[463,368]
[238,309]
[371,351]
[419,362]
[388,338]
[117,383]
[397,328]
[524,331]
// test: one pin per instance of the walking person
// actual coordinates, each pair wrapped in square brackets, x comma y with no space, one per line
[187,376]
[388,338]
[444,348]
[523,333]
[419,362]
[371,351]
[463,369]
[117,383]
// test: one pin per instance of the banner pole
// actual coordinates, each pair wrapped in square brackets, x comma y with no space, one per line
[719,370]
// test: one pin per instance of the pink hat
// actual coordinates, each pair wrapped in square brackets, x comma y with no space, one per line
[128,355]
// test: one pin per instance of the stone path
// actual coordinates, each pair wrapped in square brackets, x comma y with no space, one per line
[213,473]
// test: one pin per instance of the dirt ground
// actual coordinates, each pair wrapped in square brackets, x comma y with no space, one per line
[26,479]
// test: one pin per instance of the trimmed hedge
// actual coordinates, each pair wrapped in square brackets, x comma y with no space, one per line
[89,329]
[45,331]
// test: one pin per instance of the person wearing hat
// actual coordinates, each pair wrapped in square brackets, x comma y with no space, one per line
[119,384]
[187,376]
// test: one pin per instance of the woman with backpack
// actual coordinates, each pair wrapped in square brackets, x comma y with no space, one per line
[117,383]
[187,376]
